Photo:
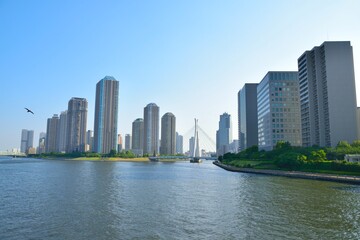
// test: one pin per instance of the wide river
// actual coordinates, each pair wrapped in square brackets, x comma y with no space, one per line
[57,199]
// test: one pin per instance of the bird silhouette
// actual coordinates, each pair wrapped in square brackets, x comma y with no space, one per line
[28,110]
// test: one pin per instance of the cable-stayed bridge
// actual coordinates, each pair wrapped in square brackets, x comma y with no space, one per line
[196,133]
[199,143]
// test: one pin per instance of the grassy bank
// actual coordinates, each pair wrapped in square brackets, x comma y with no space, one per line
[111,159]
[288,158]
[328,167]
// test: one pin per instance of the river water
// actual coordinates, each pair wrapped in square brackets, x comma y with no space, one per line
[57,199]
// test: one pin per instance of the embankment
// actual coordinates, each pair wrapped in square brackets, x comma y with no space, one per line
[294,174]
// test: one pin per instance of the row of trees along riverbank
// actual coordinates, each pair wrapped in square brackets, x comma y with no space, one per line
[113,153]
[287,157]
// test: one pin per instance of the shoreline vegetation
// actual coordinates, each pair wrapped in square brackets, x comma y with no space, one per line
[113,156]
[285,159]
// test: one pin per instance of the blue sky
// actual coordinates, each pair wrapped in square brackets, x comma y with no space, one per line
[189,57]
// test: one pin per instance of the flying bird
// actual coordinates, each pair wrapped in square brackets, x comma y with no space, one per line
[28,110]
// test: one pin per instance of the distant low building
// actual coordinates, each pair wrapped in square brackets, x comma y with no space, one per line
[352,157]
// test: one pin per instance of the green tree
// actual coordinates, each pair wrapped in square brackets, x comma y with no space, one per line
[112,153]
[302,158]
[343,144]
[282,145]
[356,143]
[288,160]
[319,155]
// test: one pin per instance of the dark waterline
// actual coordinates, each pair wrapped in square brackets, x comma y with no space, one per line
[42,199]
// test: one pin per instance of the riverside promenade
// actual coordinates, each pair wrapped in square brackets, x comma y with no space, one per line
[294,174]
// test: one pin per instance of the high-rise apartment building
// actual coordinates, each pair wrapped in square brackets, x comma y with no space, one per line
[224,134]
[168,134]
[89,141]
[76,125]
[191,146]
[52,134]
[151,129]
[327,94]
[179,143]
[127,142]
[41,147]
[106,115]
[63,131]
[247,116]
[138,136]
[119,143]
[27,140]
[278,110]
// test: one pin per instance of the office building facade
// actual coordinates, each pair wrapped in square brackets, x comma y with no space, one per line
[278,110]
[247,116]
[106,115]
[327,95]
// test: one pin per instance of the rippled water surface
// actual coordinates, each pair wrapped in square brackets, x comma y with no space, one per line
[50,199]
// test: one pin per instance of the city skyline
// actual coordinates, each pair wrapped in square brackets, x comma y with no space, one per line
[158,52]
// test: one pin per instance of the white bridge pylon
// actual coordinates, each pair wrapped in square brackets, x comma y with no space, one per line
[198,140]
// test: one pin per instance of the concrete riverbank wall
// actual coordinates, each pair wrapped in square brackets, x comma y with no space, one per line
[294,174]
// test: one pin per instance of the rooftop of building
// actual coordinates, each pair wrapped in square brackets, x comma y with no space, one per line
[109,78]
[169,114]
[151,105]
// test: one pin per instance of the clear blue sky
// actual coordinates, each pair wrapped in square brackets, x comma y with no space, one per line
[189,57]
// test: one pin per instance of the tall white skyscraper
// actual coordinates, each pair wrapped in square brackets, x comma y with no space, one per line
[106,115]
[224,134]
[327,95]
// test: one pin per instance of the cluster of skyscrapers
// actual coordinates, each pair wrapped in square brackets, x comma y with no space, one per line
[68,132]
[145,139]
[314,106]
